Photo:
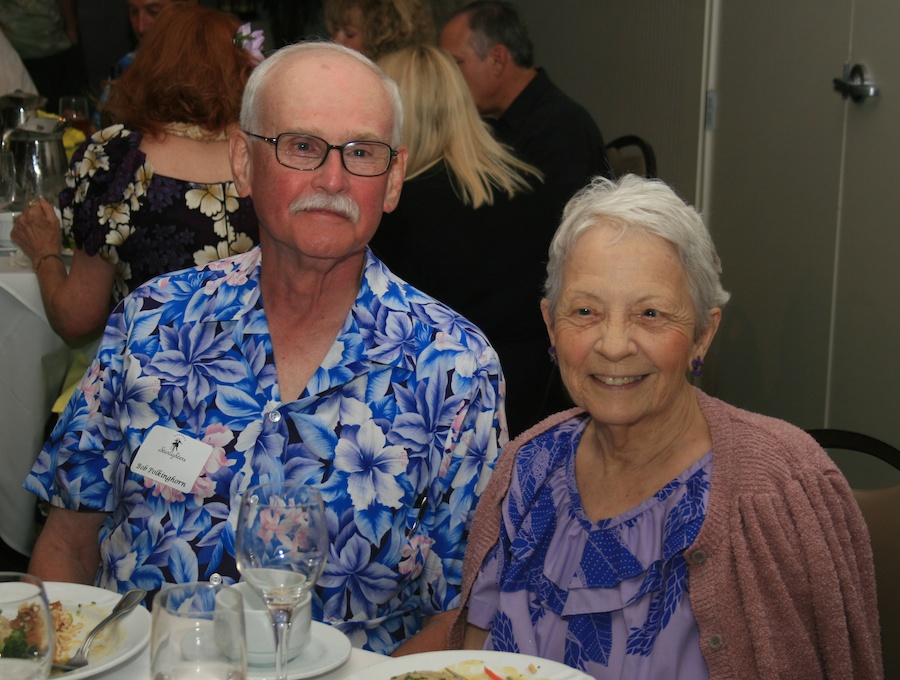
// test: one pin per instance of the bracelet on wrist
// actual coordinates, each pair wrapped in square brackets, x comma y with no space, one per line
[38,262]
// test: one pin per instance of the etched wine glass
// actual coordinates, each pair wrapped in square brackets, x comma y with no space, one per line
[26,628]
[281,547]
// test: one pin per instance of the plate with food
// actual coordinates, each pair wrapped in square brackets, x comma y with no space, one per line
[469,664]
[76,609]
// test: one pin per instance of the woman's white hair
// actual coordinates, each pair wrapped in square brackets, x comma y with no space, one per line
[257,82]
[647,206]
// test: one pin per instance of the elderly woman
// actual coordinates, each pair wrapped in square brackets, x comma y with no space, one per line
[155,194]
[656,532]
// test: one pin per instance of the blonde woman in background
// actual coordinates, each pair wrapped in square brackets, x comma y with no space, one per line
[379,27]
[457,232]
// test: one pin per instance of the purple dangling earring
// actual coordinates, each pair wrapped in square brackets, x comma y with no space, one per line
[551,350]
[697,367]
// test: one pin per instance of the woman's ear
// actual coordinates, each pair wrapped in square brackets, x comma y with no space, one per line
[706,337]
[239,156]
[548,320]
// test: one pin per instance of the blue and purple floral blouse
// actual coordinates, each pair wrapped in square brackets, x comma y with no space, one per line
[609,597]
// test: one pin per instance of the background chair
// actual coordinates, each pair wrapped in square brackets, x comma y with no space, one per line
[631,154]
[881,509]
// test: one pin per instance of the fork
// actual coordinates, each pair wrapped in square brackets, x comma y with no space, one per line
[129,601]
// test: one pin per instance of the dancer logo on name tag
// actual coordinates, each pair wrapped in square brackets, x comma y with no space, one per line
[171,458]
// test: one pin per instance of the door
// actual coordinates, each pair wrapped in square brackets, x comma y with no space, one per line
[801,207]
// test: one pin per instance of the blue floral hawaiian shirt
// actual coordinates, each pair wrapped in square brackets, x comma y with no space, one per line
[399,427]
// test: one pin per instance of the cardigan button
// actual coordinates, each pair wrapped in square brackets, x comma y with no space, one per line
[716,642]
[699,556]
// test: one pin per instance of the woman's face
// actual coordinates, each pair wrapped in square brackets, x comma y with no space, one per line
[624,327]
[350,32]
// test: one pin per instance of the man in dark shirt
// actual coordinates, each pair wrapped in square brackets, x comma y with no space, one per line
[489,41]
[545,127]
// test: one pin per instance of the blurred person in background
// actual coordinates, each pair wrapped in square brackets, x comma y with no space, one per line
[457,232]
[13,75]
[45,34]
[378,27]
[155,193]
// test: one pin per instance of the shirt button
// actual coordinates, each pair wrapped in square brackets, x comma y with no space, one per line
[215,579]
[698,556]
[716,641]
[274,416]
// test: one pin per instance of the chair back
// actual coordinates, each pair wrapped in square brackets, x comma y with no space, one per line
[631,154]
[881,510]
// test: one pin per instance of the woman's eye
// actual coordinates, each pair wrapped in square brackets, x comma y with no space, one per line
[582,311]
[650,313]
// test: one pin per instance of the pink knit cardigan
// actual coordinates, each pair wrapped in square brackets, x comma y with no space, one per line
[782,583]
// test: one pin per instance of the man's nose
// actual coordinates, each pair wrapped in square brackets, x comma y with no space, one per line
[142,24]
[331,174]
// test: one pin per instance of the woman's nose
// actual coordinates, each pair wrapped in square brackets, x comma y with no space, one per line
[615,341]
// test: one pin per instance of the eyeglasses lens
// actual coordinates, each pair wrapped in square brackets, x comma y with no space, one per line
[305,152]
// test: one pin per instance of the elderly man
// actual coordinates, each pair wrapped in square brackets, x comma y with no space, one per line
[490,42]
[303,359]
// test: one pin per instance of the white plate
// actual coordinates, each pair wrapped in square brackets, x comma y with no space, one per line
[327,649]
[435,661]
[93,604]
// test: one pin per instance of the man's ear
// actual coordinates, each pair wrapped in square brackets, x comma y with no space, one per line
[499,58]
[396,175]
[239,156]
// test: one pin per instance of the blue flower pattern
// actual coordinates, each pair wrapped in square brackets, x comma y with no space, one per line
[408,401]
[607,560]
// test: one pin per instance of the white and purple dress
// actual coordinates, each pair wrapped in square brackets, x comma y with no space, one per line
[609,597]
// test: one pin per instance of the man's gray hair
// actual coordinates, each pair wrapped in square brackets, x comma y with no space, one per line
[645,206]
[259,76]
[495,22]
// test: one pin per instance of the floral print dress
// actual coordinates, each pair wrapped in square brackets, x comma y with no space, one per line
[115,205]
[609,597]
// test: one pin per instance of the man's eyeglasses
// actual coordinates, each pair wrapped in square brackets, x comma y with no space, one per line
[305,152]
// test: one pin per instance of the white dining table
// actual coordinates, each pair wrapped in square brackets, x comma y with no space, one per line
[139,667]
[33,364]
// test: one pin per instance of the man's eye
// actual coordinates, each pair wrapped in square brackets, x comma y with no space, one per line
[360,152]
[582,311]
[651,313]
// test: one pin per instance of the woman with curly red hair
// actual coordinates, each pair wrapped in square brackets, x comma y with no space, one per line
[153,193]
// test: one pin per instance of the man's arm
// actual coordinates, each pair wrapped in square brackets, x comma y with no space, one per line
[67,547]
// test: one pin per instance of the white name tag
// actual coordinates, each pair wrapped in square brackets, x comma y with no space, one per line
[171,458]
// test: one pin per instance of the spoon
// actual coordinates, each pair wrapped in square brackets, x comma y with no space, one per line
[129,601]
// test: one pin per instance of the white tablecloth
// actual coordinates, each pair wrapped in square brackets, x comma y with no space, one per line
[139,668]
[33,362]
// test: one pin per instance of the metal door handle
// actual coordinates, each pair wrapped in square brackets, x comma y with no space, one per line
[854,84]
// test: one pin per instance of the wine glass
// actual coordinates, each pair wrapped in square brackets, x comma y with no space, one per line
[26,628]
[75,109]
[281,546]
[197,631]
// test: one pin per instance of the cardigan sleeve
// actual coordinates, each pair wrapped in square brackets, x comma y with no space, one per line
[784,584]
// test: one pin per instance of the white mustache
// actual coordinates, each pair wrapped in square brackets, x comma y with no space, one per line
[338,203]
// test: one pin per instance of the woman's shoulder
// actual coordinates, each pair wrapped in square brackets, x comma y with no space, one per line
[769,445]
[111,151]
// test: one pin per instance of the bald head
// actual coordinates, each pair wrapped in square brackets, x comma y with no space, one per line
[275,69]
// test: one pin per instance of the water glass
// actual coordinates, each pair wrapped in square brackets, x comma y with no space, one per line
[197,631]
[7,179]
[26,628]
